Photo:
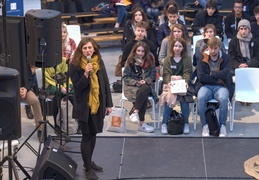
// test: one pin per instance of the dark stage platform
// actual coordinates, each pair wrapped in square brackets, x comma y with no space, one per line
[169,158]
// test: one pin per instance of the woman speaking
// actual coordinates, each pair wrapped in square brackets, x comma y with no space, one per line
[92,98]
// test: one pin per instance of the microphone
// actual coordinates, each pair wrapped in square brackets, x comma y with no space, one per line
[89,61]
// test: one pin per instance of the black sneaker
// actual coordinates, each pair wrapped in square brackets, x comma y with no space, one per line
[90,175]
[29,112]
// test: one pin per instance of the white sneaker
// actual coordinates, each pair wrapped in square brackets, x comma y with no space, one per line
[223,131]
[205,131]
[145,128]
[134,117]
[186,129]
[164,129]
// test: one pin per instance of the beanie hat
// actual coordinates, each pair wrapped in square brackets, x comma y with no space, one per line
[244,22]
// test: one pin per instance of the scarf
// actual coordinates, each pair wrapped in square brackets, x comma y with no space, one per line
[93,102]
[244,45]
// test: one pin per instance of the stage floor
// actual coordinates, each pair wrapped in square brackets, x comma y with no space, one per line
[168,158]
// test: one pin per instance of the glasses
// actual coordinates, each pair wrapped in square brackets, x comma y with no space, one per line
[238,7]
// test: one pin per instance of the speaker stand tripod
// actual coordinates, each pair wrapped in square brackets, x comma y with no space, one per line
[44,122]
[12,160]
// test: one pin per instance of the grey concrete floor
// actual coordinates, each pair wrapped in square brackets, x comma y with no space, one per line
[246,123]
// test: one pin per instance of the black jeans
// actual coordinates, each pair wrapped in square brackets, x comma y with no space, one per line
[142,99]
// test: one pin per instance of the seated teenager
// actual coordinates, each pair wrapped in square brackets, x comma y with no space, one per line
[68,44]
[140,35]
[138,15]
[233,19]
[177,63]
[201,45]
[208,16]
[176,32]
[214,77]
[163,16]
[28,96]
[139,76]
[56,85]
[165,28]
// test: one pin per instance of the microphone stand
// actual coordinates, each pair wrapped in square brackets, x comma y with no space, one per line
[67,96]
[67,137]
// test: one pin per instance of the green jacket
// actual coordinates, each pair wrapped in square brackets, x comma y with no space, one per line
[187,69]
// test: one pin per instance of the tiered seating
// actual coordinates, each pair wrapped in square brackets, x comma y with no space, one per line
[111,34]
[99,35]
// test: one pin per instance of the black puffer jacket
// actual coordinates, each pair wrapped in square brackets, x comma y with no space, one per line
[202,18]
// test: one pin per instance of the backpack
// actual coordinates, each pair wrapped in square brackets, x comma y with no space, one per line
[212,119]
[72,123]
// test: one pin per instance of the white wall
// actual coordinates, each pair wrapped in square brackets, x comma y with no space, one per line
[31,4]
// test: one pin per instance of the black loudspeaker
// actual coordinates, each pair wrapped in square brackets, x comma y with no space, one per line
[43,36]
[54,164]
[10,110]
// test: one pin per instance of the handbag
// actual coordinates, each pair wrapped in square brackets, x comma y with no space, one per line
[118,68]
[176,123]
[116,120]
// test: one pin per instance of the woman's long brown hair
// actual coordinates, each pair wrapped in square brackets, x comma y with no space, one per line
[147,57]
[171,47]
[78,53]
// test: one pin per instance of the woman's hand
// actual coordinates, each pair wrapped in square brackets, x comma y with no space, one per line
[108,111]
[88,68]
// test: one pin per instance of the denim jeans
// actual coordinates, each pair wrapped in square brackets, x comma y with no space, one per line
[154,13]
[184,108]
[122,12]
[208,92]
